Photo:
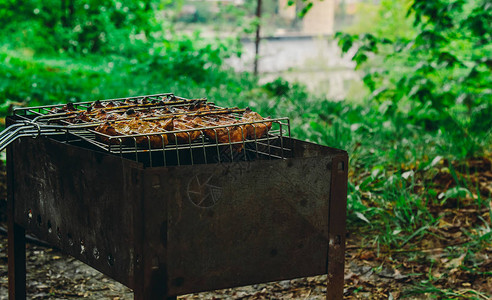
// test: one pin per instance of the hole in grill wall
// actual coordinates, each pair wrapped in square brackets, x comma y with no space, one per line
[70,239]
[82,247]
[110,259]
[95,253]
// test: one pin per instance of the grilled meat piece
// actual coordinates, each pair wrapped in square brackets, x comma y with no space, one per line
[107,130]
[81,118]
[101,115]
[153,122]
[200,106]
[185,123]
[69,107]
[110,104]
[97,104]
[255,130]
[164,125]
[153,130]
[227,134]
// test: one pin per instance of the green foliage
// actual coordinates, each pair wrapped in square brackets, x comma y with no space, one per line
[223,17]
[77,26]
[305,6]
[440,75]
[280,87]
[106,49]
[386,19]
[192,68]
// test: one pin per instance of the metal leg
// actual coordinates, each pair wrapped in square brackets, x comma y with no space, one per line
[140,294]
[16,241]
[336,229]
[167,298]
[152,285]
[17,261]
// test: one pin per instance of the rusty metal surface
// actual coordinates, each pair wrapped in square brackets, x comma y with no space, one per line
[17,243]
[78,200]
[236,224]
[167,231]
[336,228]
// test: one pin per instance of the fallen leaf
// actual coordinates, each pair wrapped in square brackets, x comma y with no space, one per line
[395,295]
[367,255]
[443,223]
[455,262]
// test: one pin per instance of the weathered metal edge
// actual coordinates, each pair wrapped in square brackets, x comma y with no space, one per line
[16,240]
[336,230]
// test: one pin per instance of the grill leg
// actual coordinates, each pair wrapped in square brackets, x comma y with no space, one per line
[336,229]
[17,261]
[138,294]
[142,298]
[16,241]
[152,287]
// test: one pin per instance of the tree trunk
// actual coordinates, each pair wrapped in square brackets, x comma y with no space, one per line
[257,39]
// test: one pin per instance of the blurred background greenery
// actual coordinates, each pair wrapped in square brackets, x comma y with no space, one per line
[424,103]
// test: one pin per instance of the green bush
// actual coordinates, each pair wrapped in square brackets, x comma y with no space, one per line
[438,77]
[77,26]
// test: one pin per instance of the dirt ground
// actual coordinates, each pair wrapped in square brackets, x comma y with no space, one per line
[53,275]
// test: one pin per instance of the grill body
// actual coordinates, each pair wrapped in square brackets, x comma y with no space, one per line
[167,231]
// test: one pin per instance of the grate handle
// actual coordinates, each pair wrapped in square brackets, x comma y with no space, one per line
[26,128]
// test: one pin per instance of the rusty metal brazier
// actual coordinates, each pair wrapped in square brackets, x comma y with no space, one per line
[177,229]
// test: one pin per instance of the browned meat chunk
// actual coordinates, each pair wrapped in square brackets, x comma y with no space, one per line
[152,132]
[185,123]
[226,134]
[255,130]
[154,122]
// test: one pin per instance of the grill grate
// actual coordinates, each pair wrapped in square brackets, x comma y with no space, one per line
[61,121]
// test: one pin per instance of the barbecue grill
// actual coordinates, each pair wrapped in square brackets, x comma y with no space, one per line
[182,217]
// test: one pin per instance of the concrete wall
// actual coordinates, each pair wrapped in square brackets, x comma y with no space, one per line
[320,19]
[285,11]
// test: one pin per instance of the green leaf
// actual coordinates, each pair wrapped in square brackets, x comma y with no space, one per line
[345,41]
[362,217]
[457,192]
[359,58]
[448,60]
